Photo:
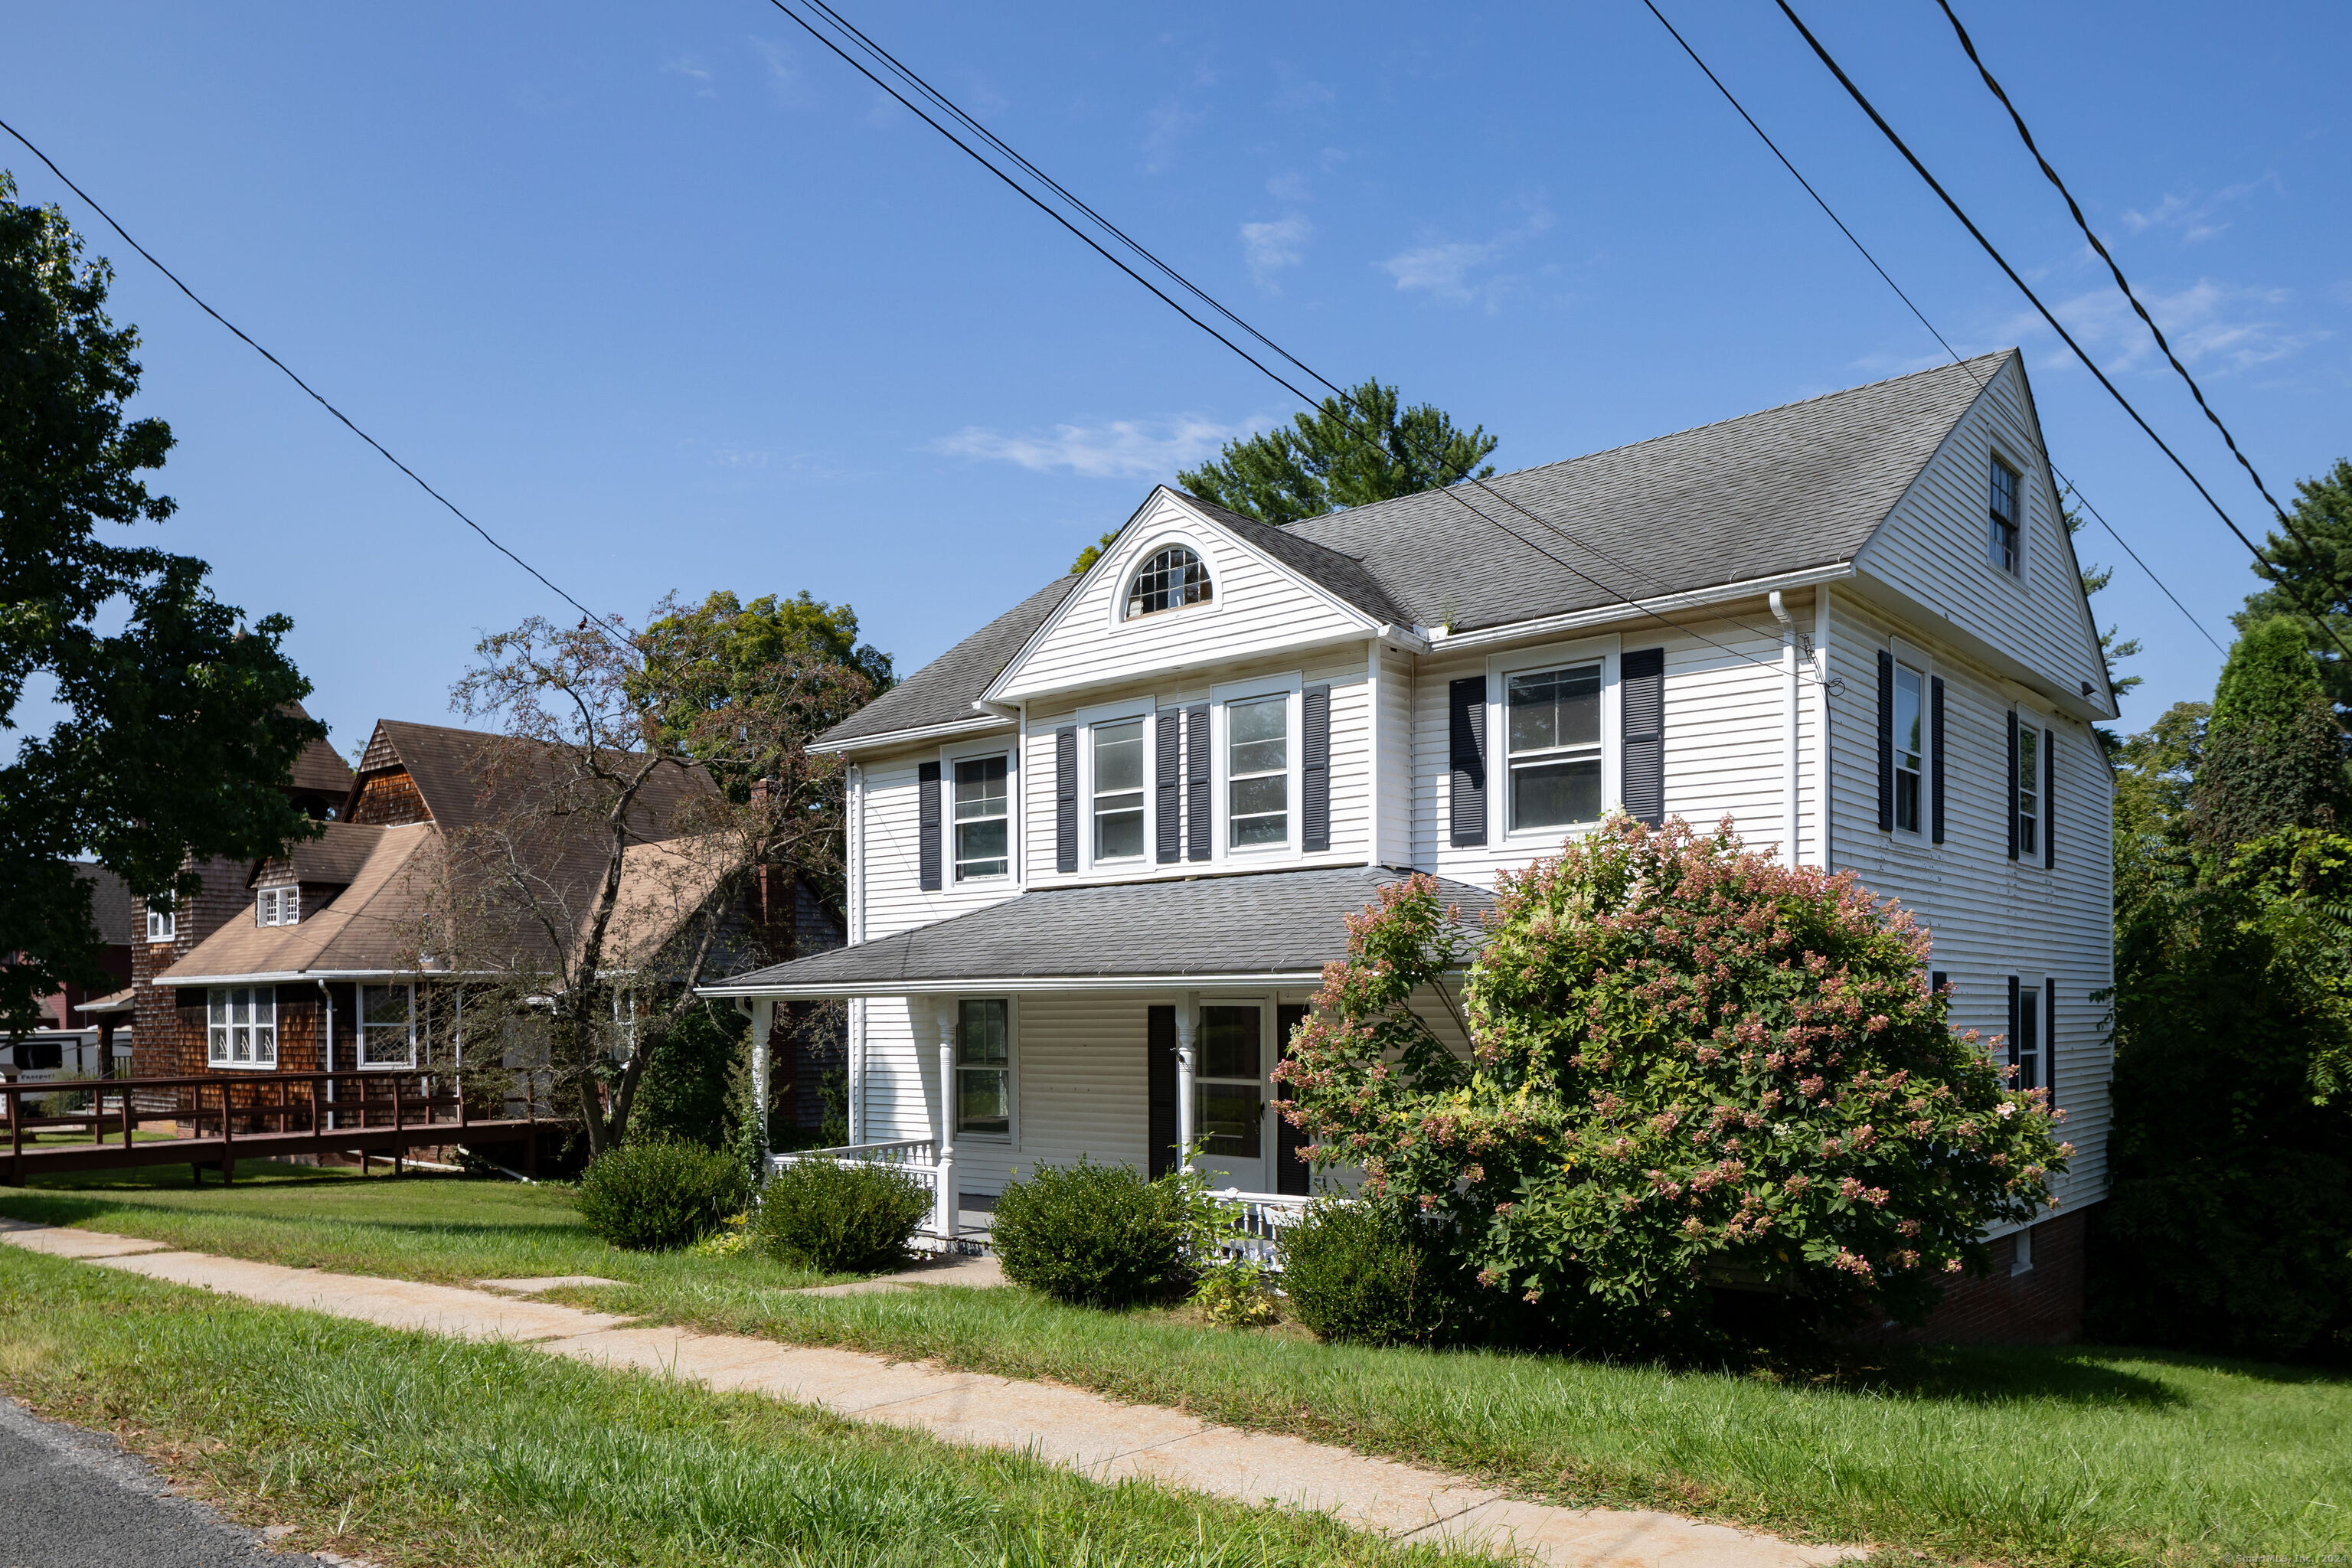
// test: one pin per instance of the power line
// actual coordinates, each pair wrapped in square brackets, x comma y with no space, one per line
[1912,305]
[916,84]
[2121,282]
[593,619]
[2262,562]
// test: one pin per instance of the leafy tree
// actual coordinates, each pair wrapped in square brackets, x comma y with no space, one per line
[2273,756]
[1341,454]
[1092,552]
[2229,1221]
[2318,579]
[1688,1064]
[178,735]
[691,734]
[2156,775]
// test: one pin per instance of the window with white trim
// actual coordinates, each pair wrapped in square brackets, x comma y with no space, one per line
[2029,786]
[2028,1045]
[1553,723]
[387,1026]
[1118,790]
[163,925]
[2001,522]
[1910,746]
[277,906]
[241,1027]
[1168,580]
[983,1067]
[1257,772]
[983,824]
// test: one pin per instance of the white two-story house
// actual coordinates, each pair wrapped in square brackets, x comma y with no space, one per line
[1100,850]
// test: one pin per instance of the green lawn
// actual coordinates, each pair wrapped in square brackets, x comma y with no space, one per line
[418,1450]
[2081,1456]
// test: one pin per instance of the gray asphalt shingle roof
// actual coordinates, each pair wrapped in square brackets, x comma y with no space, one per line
[1274,922]
[1803,485]
[943,690]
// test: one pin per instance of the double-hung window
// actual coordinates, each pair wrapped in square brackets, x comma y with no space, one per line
[2029,786]
[242,1027]
[2001,522]
[277,906]
[1118,790]
[982,820]
[1257,772]
[1226,1090]
[983,1067]
[2025,1050]
[1554,725]
[162,925]
[1909,747]
[387,1026]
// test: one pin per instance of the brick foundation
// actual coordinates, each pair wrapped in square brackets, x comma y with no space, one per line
[2042,1306]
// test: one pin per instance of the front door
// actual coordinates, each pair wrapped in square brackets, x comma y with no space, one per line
[1229,1097]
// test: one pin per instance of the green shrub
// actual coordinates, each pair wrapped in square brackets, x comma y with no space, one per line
[660,1195]
[1101,1236]
[840,1216]
[1360,1273]
[1238,1295]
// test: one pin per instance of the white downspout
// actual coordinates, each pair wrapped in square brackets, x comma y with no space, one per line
[1790,697]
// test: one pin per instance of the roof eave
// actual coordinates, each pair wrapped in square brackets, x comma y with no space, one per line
[979,723]
[1032,983]
[1629,609]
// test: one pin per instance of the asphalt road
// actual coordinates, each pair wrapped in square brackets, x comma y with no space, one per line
[70,1499]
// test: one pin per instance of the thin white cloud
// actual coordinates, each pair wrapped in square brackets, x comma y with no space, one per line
[1292,187]
[1167,125]
[2196,217]
[2217,325]
[783,73]
[692,68]
[1268,247]
[1453,270]
[1120,450]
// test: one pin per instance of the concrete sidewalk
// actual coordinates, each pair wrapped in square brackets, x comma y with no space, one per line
[1097,1436]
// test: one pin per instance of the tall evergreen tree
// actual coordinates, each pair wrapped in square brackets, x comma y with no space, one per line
[2319,577]
[2273,754]
[1346,453]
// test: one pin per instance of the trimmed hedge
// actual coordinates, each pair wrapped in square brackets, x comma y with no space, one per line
[1360,1273]
[660,1195]
[1100,1236]
[843,1217]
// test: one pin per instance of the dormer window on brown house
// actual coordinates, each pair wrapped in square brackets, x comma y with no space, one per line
[277,906]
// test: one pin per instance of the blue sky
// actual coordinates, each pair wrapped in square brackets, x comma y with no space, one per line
[670,301]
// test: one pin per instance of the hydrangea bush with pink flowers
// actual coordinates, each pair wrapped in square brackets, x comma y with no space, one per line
[1689,1066]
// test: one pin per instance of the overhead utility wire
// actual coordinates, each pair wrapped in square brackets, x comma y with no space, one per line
[2262,562]
[1451,491]
[593,619]
[918,84]
[2121,282]
[1911,305]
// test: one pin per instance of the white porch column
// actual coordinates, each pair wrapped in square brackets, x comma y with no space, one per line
[943,1011]
[855,1110]
[1188,1007]
[764,1022]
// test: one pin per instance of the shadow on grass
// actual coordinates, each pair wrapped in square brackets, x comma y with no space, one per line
[90,1197]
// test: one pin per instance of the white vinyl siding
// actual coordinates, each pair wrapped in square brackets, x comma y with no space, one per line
[886,841]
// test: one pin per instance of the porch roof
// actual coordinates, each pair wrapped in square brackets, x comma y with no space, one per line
[1269,928]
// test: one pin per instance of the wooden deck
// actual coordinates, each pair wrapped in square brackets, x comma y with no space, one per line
[221,1118]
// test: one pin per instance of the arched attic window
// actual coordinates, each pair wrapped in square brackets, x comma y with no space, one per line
[1170,577]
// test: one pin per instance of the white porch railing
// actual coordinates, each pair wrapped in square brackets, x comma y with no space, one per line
[1259,1219]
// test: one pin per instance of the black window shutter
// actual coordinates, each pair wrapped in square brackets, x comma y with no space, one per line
[1643,705]
[1167,772]
[2050,1038]
[1885,741]
[1066,798]
[1936,981]
[1315,769]
[2009,792]
[1160,1080]
[2049,783]
[1466,751]
[2013,1029]
[1936,757]
[1198,833]
[927,818]
[1290,1171]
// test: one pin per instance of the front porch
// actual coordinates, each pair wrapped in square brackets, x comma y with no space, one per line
[1125,1024]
